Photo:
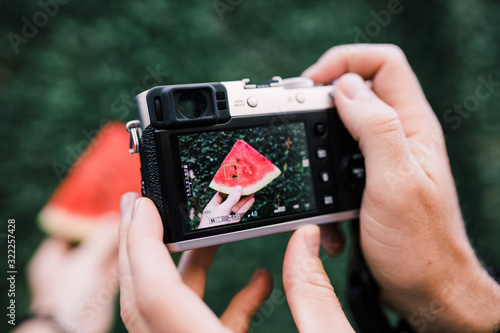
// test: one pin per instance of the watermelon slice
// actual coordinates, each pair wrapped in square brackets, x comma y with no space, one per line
[91,192]
[246,167]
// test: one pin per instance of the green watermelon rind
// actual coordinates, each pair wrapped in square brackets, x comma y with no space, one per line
[268,178]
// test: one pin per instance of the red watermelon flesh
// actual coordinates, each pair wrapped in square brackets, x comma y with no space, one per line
[246,167]
[90,194]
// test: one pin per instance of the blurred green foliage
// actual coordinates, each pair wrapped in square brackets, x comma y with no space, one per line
[284,145]
[86,62]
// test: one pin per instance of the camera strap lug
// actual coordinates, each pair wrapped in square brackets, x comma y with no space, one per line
[133,127]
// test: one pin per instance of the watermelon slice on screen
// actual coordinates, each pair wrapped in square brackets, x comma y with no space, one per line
[246,167]
[90,194]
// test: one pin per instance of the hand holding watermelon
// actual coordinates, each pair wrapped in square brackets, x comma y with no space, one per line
[75,286]
[234,206]
[90,193]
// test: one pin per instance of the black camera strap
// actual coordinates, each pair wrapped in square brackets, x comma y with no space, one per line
[363,293]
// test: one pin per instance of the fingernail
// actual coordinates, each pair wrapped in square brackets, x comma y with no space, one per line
[136,206]
[354,87]
[125,202]
[309,71]
[313,240]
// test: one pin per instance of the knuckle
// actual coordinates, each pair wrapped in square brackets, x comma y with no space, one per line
[310,277]
[346,51]
[394,52]
[418,196]
[385,123]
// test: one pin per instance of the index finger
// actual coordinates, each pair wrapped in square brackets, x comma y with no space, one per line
[386,65]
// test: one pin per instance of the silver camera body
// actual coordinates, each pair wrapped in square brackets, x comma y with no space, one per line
[188,135]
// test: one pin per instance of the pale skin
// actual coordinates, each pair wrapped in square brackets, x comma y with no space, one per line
[155,294]
[412,231]
[77,286]
[233,204]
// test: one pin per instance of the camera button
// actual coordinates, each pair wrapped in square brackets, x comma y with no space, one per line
[297,82]
[324,177]
[328,200]
[319,129]
[221,105]
[158,110]
[321,153]
[354,171]
[252,101]
[220,95]
[301,98]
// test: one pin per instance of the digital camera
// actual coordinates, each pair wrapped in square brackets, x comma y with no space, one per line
[227,161]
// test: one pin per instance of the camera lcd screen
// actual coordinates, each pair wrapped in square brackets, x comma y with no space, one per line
[244,175]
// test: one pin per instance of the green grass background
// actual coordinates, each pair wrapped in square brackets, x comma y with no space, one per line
[87,62]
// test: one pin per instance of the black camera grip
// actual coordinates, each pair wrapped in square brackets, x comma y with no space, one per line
[150,171]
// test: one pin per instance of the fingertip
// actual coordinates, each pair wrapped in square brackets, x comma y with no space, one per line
[260,276]
[126,201]
[146,221]
[354,87]
[312,238]
[262,282]
[308,289]
[233,198]
[246,303]
[310,71]
[332,239]
[301,252]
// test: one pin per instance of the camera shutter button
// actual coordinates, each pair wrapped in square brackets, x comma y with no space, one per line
[252,101]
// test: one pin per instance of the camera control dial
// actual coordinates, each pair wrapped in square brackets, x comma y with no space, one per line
[276,81]
[297,82]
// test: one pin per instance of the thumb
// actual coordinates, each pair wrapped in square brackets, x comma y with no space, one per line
[374,124]
[311,298]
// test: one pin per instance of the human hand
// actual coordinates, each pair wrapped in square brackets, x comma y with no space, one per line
[311,297]
[156,296]
[232,205]
[75,286]
[412,232]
